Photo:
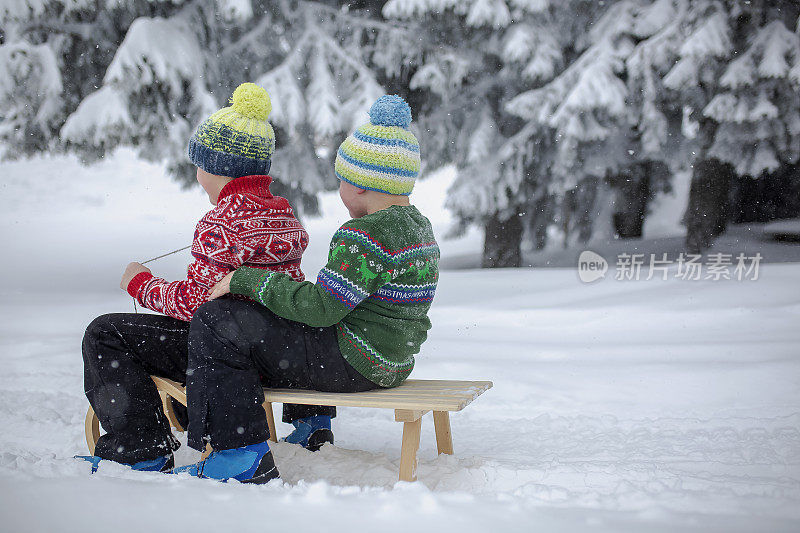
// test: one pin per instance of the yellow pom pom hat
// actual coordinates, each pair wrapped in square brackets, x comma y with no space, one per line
[236,140]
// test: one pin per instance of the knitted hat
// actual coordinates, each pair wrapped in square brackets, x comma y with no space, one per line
[381,155]
[236,140]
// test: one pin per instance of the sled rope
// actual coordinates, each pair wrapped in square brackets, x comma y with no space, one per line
[135,310]
[166,254]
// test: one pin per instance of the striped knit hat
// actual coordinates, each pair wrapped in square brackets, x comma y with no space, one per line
[381,155]
[236,140]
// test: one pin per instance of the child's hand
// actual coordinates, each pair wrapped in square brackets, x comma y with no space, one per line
[130,272]
[222,287]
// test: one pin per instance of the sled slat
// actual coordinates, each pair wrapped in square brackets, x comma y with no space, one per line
[412,394]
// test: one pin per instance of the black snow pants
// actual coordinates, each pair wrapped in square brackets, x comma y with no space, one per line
[230,350]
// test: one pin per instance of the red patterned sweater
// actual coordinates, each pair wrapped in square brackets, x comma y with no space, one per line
[248,227]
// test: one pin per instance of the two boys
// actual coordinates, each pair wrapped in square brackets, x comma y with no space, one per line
[357,328]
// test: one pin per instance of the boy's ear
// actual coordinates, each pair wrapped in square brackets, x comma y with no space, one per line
[361,191]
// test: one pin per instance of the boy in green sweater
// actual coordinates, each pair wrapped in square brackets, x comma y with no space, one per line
[357,328]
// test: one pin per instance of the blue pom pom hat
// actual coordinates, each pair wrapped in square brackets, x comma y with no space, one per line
[382,155]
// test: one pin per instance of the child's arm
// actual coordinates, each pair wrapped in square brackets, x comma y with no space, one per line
[216,252]
[357,267]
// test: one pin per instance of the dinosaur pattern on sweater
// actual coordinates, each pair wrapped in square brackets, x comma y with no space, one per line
[377,287]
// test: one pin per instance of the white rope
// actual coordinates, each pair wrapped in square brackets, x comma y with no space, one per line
[169,253]
[135,310]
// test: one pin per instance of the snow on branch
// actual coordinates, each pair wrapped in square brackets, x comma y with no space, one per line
[659,50]
[19,10]
[101,118]
[757,114]
[589,83]
[653,18]
[239,10]
[441,75]
[533,6]
[482,143]
[597,87]
[323,103]
[289,104]
[349,19]
[365,90]
[30,83]
[536,48]
[331,73]
[488,13]
[406,9]
[710,39]
[727,107]
[478,13]
[773,53]
[617,20]
[157,49]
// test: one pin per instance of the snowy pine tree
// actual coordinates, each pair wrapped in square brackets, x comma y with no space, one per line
[758,108]
[49,56]
[611,97]
[729,65]
[583,112]
[529,107]
[563,118]
[474,52]
[324,85]
[90,75]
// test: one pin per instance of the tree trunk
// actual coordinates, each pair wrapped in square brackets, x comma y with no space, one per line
[577,212]
[771,196]
[633,195]
[539,220]
[502,240]
[586,195]
[605,199]
[707,215]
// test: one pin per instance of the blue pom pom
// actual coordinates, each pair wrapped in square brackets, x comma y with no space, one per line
[390,110]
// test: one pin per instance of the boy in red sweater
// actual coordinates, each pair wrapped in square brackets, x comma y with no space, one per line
[247,227]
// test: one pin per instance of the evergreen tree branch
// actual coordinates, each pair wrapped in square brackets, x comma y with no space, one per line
[248,38]
[333,47]
[354,20]
[84,30]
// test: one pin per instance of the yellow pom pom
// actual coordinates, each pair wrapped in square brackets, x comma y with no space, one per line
[251,101]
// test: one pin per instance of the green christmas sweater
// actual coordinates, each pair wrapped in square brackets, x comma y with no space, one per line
[376,287]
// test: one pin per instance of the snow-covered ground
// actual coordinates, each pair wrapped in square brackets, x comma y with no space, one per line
[617,405]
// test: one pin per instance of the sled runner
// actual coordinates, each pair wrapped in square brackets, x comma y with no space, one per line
[410,401]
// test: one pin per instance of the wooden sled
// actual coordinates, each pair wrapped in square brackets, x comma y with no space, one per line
[410,401]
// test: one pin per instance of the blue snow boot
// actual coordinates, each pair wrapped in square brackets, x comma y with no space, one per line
[311,433]
[248,464]
[159,464]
